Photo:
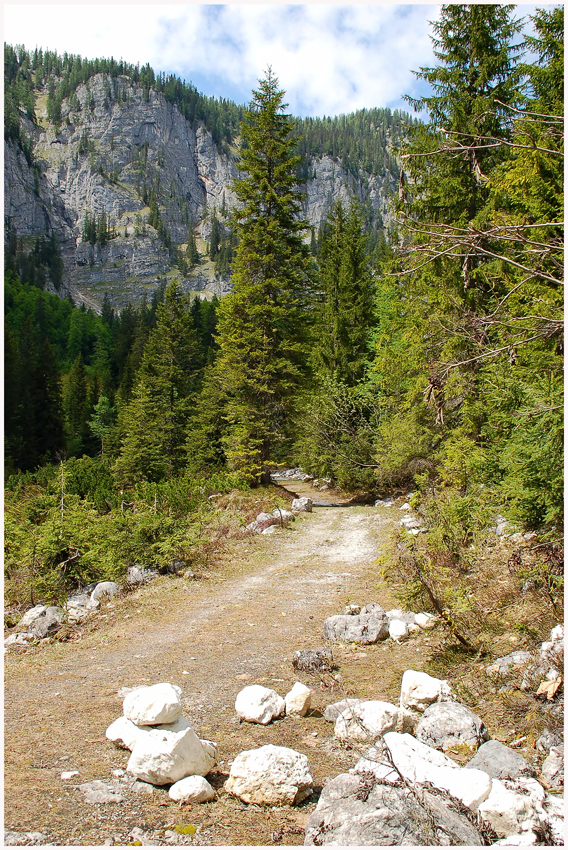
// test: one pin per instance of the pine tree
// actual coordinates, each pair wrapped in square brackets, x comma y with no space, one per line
[76,407]
[215,236]
[262,322]
[346,312]
[191,252]
[154,424]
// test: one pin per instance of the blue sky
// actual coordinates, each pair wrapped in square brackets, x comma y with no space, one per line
[330,59]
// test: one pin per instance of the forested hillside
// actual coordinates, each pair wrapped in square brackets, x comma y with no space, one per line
[430,360]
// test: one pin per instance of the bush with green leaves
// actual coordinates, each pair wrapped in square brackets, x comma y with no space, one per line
[69,526]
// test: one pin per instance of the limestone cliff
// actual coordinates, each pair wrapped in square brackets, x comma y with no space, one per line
[127,154]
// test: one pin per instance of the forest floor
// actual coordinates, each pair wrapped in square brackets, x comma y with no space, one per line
[238,624]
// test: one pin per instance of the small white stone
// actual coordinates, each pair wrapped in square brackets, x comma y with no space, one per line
[398,630]
[104,588]
[69,774]
[302,504]
[161,755]
[123,733]
[425,620]
[257,704]
[30,616]
[192,789]
[419,690]
[298,700]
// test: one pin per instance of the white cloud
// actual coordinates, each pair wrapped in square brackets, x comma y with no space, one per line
[329,58]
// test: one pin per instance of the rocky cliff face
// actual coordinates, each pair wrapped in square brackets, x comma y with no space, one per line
[124,153]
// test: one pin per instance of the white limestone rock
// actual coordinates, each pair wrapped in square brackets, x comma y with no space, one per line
[425,621]
[447,724]
[19,639]
[161,755]
[298,700]
[282,516]
[419,690]
[192,789]
[419,763]
[398,630]
[79,606]
[104,588]
[257,704]
[153,705]
[364,628]
[123,732]
[509,663]
[366,721]
[505,810]
[49,622]
[270,776]
[553,767]
[30,616]
[332,712]
[302,504]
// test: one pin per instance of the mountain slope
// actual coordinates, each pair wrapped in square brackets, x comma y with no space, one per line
[122,170]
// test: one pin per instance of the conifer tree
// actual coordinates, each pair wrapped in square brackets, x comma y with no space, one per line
[76,407]
[154,423]
[346,312]
[262,322]
[215,236]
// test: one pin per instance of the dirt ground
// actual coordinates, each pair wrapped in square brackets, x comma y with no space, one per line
[238,624]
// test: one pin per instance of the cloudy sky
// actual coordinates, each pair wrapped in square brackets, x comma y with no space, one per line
[330,59]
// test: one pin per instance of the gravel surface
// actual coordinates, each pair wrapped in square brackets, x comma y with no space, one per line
[239,624]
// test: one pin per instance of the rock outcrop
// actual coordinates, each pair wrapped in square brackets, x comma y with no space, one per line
[116,144]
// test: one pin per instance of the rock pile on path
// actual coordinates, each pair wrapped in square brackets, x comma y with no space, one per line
[164,746]
[371,623]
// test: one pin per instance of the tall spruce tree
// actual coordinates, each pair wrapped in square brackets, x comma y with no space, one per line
[262,322]
[155,421]
[346,310]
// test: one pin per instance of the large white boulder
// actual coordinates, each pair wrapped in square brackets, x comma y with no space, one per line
[366,627]
[153,705]
[161,755]
[192,789]
[258,704]
[505,810]
[419,763]
[366,721]
[419,690]
[447,724]
[298,700]
[270,776]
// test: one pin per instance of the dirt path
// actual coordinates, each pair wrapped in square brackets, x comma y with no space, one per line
[240,624]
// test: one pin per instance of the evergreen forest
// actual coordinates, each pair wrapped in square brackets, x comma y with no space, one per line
[430,361]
